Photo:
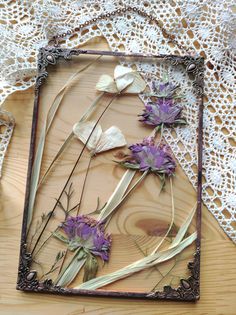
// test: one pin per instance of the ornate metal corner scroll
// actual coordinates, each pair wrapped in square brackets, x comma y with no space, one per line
[189,288]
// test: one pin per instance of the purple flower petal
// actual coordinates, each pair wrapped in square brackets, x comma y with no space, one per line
[164,111]
[83,231]
[151,157]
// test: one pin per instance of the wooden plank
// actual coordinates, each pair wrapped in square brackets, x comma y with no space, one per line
[218,270]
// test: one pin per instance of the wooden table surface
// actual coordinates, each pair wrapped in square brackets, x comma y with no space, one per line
[218,260]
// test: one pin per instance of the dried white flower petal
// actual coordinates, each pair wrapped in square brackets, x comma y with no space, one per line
[106,84]
[138,84]
[126,80]
[99,141]
[84,129]
[123,77]
[110,139]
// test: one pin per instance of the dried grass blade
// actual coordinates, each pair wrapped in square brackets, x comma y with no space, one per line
[85,116]
[104,215]
[39,152]
[140,265]
[172,218]
[118,193]
[62,148]
[71,271]
[183,229]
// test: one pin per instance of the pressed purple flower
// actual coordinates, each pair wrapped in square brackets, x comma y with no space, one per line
[148,156]
[164,111]
[165,90]
[87,233]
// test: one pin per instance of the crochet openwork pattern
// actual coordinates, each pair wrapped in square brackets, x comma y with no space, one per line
[205,27]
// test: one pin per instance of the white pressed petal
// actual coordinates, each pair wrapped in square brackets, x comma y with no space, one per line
[123,77]
[83,130]
[110,139]
[99,141]
[106,84]
[138,84]
[128,80]
[121,71]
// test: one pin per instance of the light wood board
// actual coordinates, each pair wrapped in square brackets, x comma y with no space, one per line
[218,270]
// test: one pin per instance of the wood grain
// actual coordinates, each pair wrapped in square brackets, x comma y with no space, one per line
[218,270]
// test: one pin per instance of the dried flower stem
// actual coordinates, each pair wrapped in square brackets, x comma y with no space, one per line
[172,218]
[142,264]
[84,183]
[54,266]
[63,261]
[72,172]
[77,262]
[164,276]
[42,139]
[145,255]
[66,210]
[70,137]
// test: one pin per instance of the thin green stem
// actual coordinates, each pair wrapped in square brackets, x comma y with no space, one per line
[145,255]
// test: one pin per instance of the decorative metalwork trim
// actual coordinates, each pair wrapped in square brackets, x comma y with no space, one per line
[189,289]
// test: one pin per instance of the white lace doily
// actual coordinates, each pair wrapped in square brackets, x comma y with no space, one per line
[206,27]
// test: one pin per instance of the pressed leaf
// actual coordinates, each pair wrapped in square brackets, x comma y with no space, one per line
[137,86]
[60,237]
[129,165]
[34,180]
[83,132]
[73,268]
[90,268]
[110,139]
[128,80]
[123,76]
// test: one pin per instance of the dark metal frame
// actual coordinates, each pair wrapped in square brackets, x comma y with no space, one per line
[189,289]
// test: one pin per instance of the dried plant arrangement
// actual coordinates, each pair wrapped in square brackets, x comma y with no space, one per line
[108,211]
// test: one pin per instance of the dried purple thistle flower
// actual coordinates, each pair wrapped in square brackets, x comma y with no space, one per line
[89,234]
[165,90]
[146,156]
[162,112]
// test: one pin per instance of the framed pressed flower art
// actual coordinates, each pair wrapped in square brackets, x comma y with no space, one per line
[108,208]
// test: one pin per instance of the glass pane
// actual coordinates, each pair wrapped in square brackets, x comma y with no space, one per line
[78,231]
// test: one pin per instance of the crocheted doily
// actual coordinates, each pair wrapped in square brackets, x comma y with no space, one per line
[206,27]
